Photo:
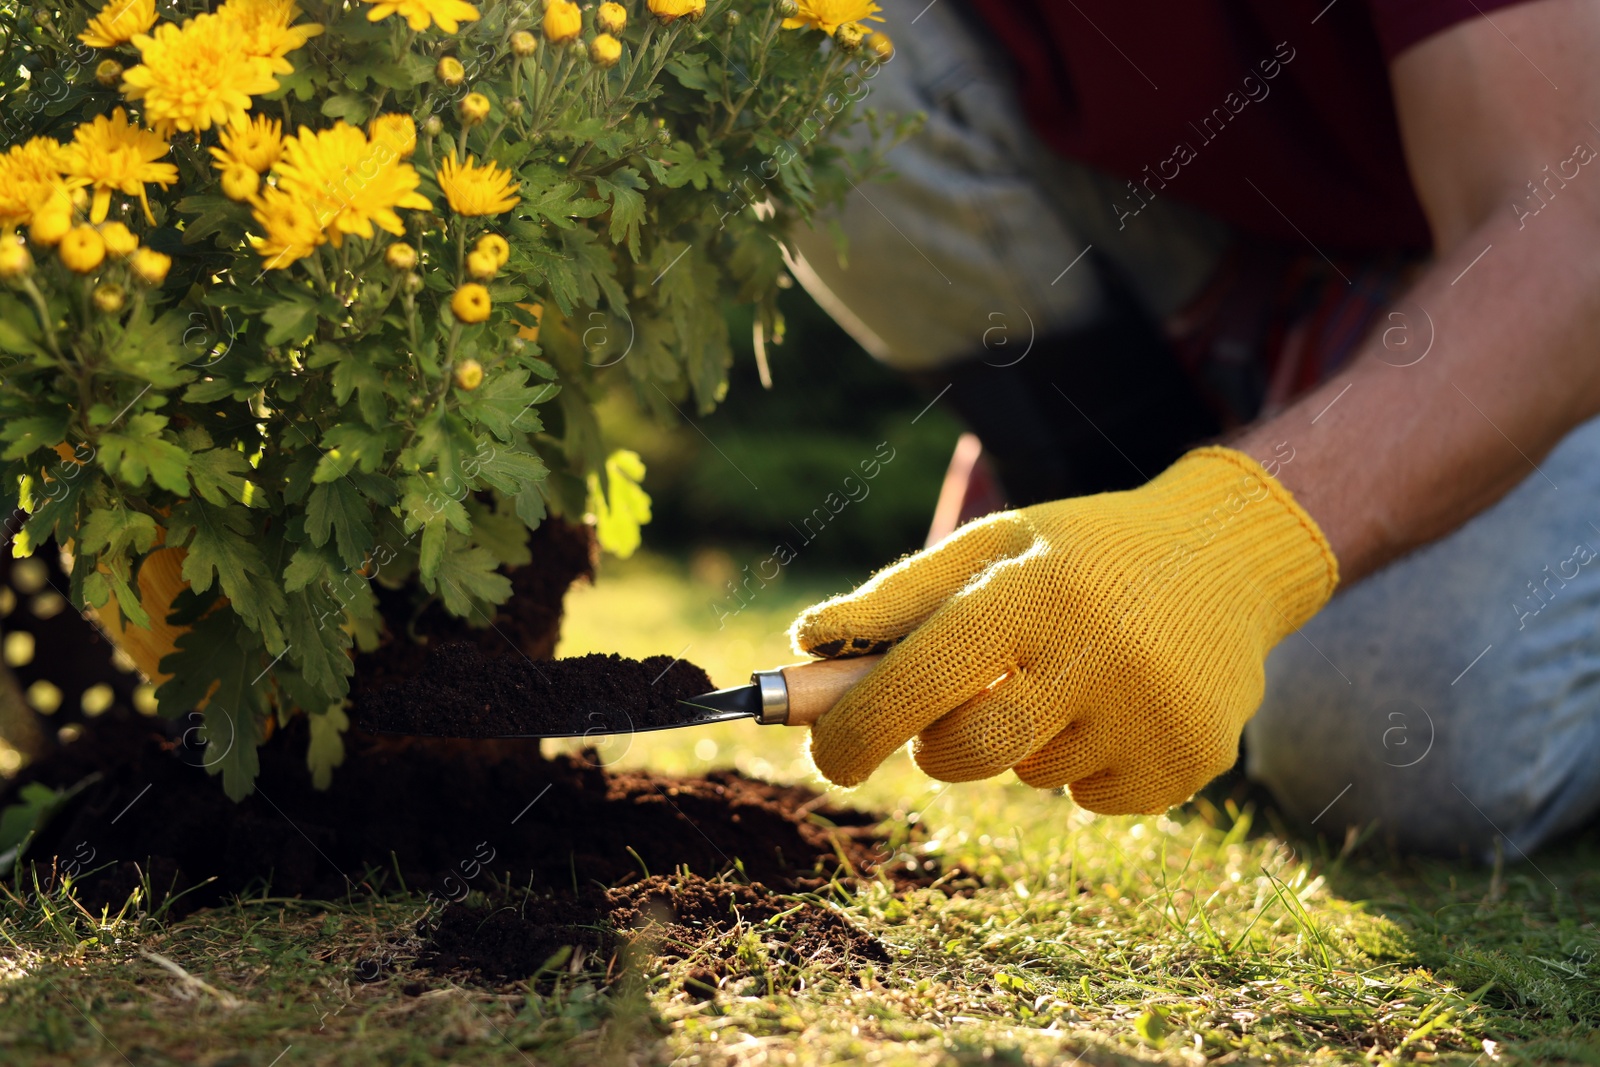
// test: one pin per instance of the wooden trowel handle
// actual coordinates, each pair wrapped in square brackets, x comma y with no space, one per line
[816,686]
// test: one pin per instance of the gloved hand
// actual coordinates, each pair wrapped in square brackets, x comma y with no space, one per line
[1114,642]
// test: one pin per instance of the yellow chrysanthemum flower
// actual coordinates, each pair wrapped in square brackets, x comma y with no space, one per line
[471,303]
[149,266]
[475,190]
[563,21]
[495,247]
[420,14]
[120,241]
[828,15]
[291,229]
[256,144]
[399,132]
[349,181]
[667,10]
[82,249]
[29,173]
[197,75]
[267,29]
[111,155]
[118,22]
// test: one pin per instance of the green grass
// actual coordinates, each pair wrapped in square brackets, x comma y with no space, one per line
[1066,938]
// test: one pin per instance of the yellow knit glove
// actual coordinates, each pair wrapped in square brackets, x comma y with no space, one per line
[1114,642]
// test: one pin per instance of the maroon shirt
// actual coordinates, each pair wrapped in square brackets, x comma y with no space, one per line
[1274,115]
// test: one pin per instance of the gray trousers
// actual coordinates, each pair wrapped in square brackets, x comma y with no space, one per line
[1452,699]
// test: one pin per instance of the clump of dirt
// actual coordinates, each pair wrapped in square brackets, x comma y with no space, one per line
[511,939]
[459,693]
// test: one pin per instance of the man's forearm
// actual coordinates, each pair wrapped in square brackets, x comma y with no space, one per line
[1388,456]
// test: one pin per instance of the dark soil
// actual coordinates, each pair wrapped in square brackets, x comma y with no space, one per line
[510,938]
[529,623]
[449,818]
[460,693]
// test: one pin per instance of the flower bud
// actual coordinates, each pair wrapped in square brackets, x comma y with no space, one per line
[52,219]
[880,49]
[450,71]
[240,182]
[667,10]
[412,284]
[471,303]
[512,108]
[611,18]
[401,256]
[120,241]
[563,21]
[787,9]
[109,298]
[14,259]
[481,265]
[474,109]
[82,249]
[469,374]
[150,266]
[108,73]
[41,17]
[604,51]
[433,125]
[495,247]
[734,18]
[524,43]
[848,36]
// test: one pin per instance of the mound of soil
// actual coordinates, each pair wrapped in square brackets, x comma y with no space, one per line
[460,693]
[511,938]
[443,816]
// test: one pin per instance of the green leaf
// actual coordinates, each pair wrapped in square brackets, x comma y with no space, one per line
[348,446]
[326,750]
[622,187]
[352,107]
[222,654]
[215,214]
[503,403]
[155,349]
[690,70]
[221,550]
[291,320]
[624,507]
[32,433]
[317,643]
[355,374]
[338,509]
[467,576]
[119,531]
[513,472]
[19,328]
[684,167]
[219,473]
[141,453]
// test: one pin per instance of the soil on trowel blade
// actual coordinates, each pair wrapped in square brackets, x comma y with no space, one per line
[459,693]
[513,938]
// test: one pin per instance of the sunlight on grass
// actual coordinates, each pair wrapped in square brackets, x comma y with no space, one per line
[1051,936]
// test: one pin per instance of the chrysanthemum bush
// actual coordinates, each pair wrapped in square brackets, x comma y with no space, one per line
[300,297]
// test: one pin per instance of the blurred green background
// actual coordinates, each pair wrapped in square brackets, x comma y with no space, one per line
[738,482]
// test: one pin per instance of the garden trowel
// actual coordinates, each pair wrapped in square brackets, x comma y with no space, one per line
[507,698]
